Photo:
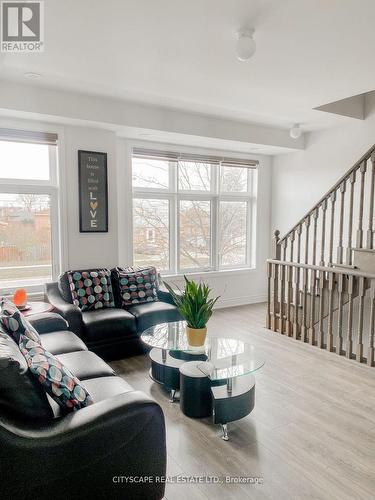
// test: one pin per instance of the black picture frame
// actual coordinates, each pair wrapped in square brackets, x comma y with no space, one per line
[92,165]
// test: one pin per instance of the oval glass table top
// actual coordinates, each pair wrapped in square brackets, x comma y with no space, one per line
[225,357]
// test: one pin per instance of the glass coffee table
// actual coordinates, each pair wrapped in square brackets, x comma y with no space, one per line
[214,381]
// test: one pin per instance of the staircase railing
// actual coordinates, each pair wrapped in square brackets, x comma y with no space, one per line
[330,224]
[326,308]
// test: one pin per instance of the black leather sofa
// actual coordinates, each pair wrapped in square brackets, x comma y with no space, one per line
[112,333]
[85,454]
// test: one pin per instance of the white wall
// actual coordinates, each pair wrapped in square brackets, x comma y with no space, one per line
[85,249]
[300,179]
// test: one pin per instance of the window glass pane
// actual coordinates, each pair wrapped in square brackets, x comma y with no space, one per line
[25,239]
[150,173]
[195,234]
[194,176]
[233,179]
[20,160]
[232,233]
[151,233]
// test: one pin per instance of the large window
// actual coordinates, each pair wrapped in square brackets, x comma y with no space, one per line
[29,249]
[192,213]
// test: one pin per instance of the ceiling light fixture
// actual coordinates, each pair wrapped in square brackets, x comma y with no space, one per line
[295,132]
[245,46]
[33,76]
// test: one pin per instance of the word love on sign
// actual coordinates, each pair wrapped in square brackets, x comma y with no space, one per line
[93,192]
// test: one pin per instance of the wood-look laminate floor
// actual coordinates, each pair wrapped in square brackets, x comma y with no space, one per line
[310,436]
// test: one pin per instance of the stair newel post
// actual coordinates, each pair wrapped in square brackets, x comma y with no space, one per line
[370,233]
[362,291]
[276,245]
[323,239]
[341,223]
[349,340]
[321,310]
[269,294]
[331,285]
[297,285]
[282,287]
[332,228]
[305,282]
[275,293]
[370,353]
[340,290]
[349,252]
[359,241]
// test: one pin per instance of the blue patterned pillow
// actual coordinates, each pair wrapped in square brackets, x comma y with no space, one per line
[15,323]
[57,380]
[91,289]
[136,285]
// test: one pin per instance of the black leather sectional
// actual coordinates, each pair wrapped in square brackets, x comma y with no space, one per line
[113,333]
[88,453]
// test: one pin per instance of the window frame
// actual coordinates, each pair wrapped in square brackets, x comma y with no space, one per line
[48,187]
[215,196]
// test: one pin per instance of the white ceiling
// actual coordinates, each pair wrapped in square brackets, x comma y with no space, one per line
[180,53]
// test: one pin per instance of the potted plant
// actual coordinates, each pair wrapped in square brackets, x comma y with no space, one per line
[195,307]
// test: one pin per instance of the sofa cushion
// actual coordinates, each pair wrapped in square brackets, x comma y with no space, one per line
[62,342]
[136,286]
[91,289]
[85,364]
[48,322]
[153,313]
[15,323]
[56,378]
[107,324]
[106,387]
[21,395]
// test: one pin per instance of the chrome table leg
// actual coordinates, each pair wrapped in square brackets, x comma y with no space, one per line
[224,428]
[173,392]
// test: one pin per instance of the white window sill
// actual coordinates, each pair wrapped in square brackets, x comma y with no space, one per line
[210,274]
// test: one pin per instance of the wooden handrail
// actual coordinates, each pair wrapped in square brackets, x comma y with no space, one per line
[335,270]
[344,178]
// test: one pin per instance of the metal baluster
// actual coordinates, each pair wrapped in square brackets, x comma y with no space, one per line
[341,223]
[370,231]
[321,310]
[349,252]
[312,306]
[332,228]
[299,232]
[282,290]
[296,303]
[331,285]
[291,246]
[370,353]
[362,291]
[305,282]
[322,248]
[359,242]
[340,290]
[315,230]
[349,340]
[289,291]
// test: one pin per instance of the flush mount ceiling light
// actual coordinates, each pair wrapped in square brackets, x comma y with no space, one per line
[295,132]
[245,46]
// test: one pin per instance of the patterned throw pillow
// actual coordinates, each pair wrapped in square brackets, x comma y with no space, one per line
[91,289]
[14,322]
[136,286]
[57,380]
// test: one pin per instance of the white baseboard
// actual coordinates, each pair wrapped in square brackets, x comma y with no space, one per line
[241,301]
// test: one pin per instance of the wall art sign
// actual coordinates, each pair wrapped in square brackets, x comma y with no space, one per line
[93,192]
